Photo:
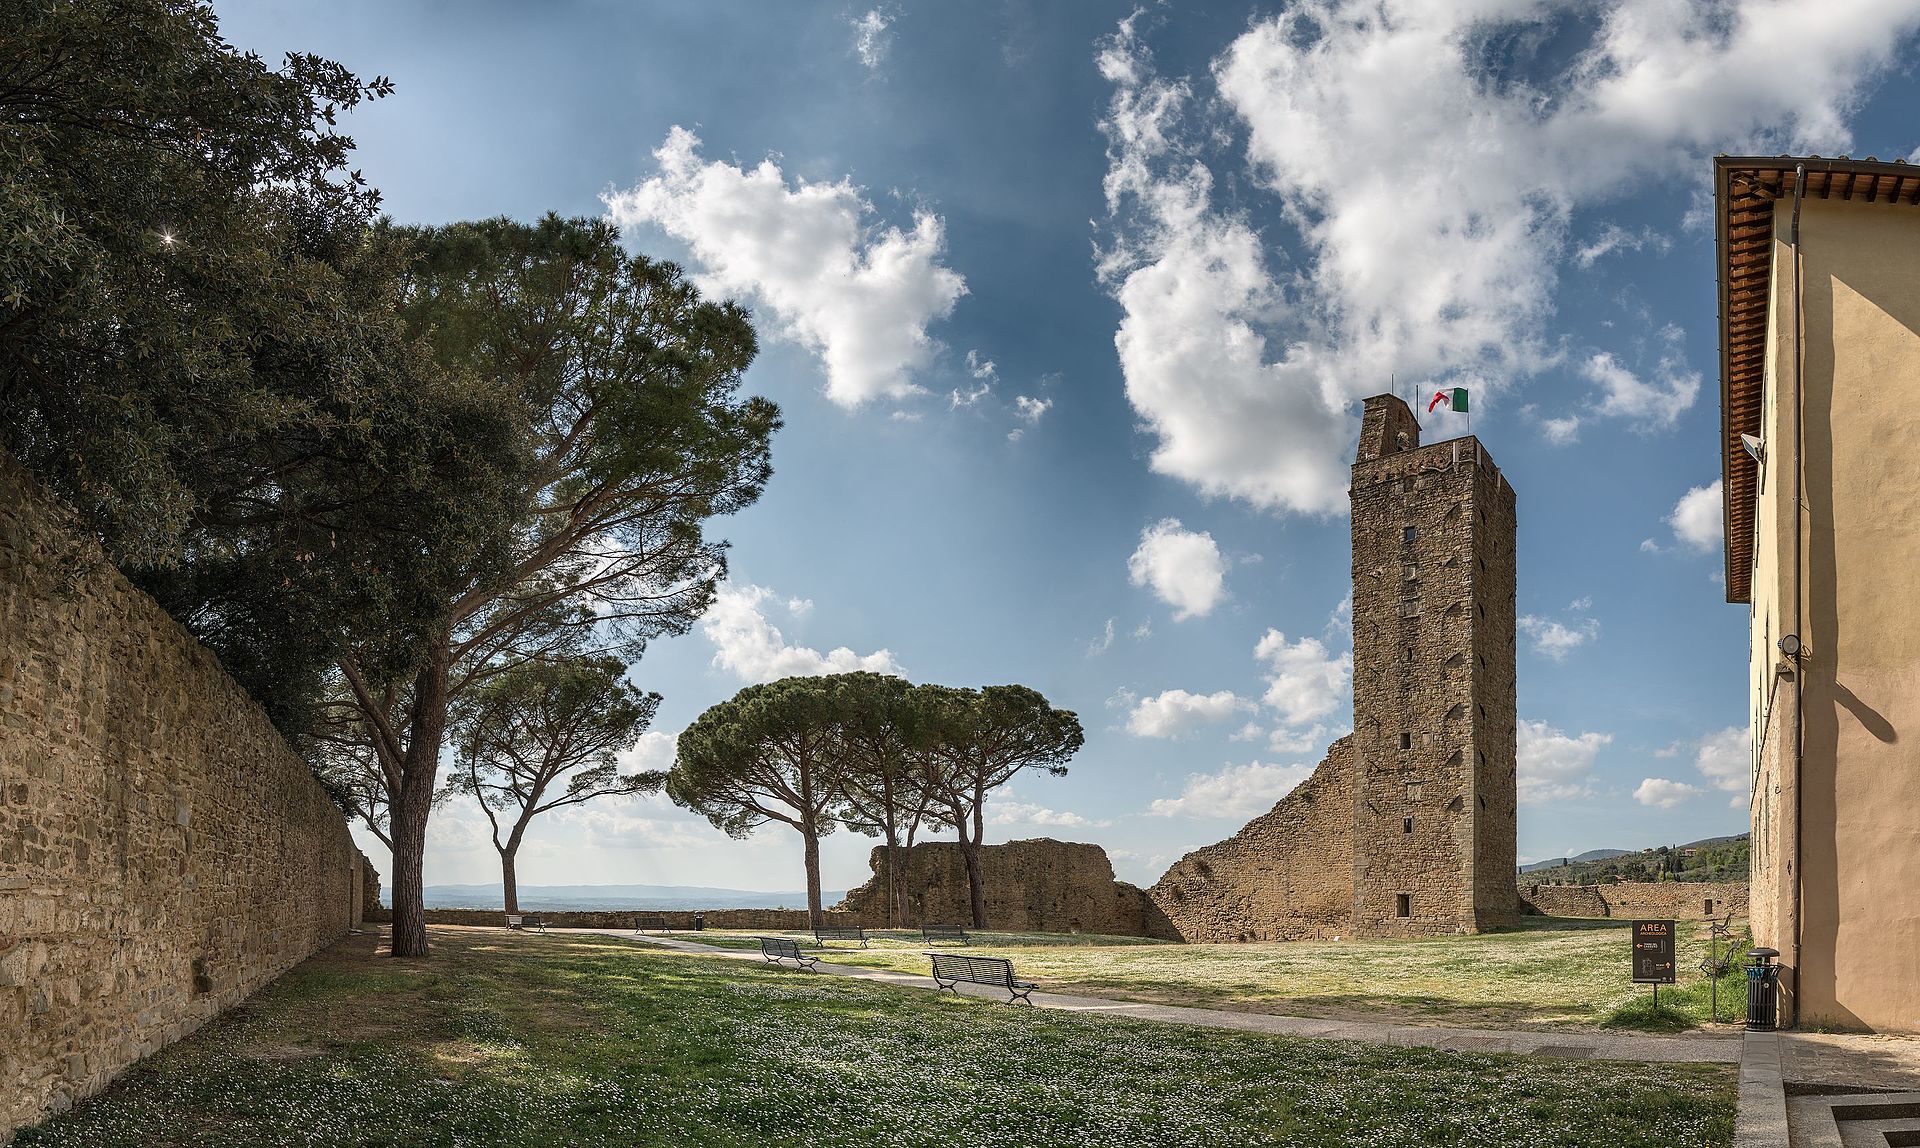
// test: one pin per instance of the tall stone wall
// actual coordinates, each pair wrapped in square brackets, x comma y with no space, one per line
[1287,876]
[163,852]
[1038,885]
[1642,900]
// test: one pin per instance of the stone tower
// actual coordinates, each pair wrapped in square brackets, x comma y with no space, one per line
[1433,682]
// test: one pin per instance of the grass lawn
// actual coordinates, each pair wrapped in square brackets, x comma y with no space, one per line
[1550,973]
[578,1040]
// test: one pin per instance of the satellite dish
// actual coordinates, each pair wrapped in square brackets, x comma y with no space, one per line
[1755,447]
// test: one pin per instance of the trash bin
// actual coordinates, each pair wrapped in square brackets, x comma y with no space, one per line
[699,921]
[1763,989]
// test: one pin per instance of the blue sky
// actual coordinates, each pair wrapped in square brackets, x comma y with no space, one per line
[1070,307]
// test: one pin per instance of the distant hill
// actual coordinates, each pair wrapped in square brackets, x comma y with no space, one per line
[1589,855]
[1711,859]
[552,898]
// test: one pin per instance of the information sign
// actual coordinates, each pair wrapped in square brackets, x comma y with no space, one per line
[1653,953]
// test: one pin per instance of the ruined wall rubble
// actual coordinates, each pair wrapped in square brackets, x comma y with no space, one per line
[1286,876]
[163,852]
[1037,885]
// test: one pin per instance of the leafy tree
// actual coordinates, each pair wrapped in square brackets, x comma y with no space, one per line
[883,787]
[976,741]
[623,382]
[769,753]
[544,735]
[199,346]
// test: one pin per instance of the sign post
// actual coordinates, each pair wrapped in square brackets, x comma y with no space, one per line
[1653,962]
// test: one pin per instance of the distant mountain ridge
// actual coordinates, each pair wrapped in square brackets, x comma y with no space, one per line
[1589,855]
[552,898]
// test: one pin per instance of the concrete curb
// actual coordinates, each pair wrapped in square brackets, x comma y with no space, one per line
[1762,1119]
[1567,1045]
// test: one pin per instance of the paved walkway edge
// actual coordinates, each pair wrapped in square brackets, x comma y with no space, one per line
[1762,1119]
[1598,1045]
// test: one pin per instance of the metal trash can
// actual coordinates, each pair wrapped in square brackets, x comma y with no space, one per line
[1763,989]
[699,921]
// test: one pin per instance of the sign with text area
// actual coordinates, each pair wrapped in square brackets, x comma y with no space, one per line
[1653,953]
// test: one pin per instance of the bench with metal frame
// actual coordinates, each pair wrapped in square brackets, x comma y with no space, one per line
[777,949]
[949,969]
[519,924]
[932,933]
[642,922]
[825,933]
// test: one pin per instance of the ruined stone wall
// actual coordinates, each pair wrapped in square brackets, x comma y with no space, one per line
[1640,900]
[163,853]
[1038,885]
[1433,683]
[1286,876]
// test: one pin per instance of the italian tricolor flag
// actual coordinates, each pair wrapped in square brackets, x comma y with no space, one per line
[1454,397]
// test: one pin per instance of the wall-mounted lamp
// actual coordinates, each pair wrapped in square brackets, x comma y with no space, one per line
[1755,447]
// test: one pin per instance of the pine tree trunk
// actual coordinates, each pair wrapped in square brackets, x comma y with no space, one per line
[976,887]
[891,857]
[509,883]
[409,826]
[813,875]
[420,769]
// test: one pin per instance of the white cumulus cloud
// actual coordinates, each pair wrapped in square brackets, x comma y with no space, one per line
[1031,409]
[1305,680]
[1176,712]
[1235,792]
[1664,794]
[1425,198]
[752,648]
[1183,568]
[1557,639]
[1562,431]
[1725,759]
[871,36]
[1648,405]
[1027,813]
[859,295]
[1696,517]
[1554,766]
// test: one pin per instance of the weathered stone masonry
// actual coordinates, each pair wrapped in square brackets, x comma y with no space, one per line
[1286,876]
[1646,900]
[1408,827]
[1433,682]
[1036,885]
[163,852]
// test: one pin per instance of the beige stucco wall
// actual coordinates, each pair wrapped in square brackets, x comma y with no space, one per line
[1859,574]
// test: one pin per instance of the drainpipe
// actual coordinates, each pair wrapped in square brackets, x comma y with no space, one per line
[1799,577]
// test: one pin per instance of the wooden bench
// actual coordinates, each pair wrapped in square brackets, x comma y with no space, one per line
[932,933]
[777,949]
[826,933]
[518,923]
[949,969]
[654,921]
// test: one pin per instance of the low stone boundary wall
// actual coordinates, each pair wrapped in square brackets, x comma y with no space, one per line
[1646,900]
[163,852]
[680,920]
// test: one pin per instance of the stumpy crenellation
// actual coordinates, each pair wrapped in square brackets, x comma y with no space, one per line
[1434,785]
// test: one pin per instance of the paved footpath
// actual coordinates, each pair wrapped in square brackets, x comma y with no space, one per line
[1594,1045]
